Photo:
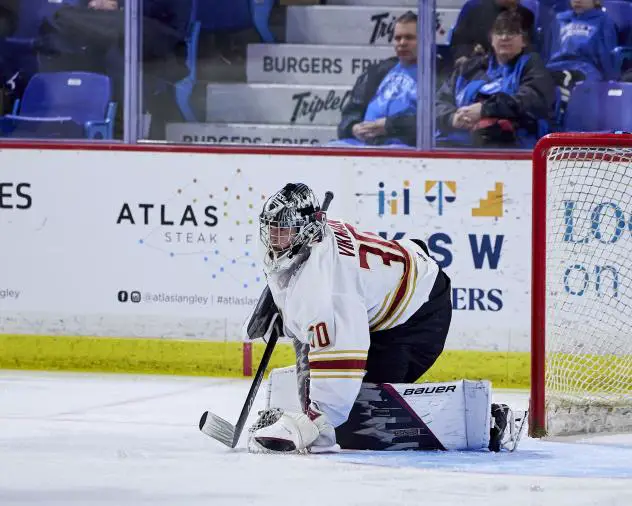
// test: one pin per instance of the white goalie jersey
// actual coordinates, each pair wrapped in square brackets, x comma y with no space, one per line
[352,283]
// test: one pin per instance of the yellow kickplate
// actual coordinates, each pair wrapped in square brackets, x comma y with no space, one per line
[219,358]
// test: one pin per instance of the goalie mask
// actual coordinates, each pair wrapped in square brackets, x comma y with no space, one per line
[291,219]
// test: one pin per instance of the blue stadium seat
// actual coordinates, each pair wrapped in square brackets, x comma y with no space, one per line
[63,105]
[620,11]
[622,59]
[184,87]
[542,16]
[599,107]
[17,52]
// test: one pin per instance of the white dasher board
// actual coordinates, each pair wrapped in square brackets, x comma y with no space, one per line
[311,64]
[275,103]
[243,133]
[332,24]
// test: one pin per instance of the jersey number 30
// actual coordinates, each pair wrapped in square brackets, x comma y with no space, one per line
[371,245]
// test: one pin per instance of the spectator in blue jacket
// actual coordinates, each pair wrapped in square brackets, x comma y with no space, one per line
[382,108]
[582,39]
[502,100]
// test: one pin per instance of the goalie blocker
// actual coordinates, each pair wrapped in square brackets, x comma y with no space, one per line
[423,416]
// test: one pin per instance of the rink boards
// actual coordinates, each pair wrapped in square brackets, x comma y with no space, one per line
[154,242]
[164,244]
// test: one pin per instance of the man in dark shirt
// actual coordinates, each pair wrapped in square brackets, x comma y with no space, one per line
[471,32]
[90,37]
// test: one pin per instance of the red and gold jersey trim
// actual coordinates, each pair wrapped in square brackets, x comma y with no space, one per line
[402,295]
[337,364]
[396,302]
[315,376]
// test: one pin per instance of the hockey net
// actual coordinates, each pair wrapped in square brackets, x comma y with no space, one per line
[582,285]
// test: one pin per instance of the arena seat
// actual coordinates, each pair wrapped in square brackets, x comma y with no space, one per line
[63,105]
[599,107]
[620,11]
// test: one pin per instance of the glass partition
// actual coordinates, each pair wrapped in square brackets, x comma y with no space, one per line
[517,70]
[168,46]
[298,73]
[492,74]
[62,69]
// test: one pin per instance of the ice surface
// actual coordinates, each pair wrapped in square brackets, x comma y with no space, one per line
[92,440]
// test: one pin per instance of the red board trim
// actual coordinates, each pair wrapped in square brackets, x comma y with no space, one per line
[154,147]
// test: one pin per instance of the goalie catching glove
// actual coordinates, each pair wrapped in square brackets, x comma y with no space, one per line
[277,431]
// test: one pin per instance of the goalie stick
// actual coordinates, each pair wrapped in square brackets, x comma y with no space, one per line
[222,430]
[218,428]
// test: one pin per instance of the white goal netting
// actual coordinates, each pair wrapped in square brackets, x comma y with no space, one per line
[588,300]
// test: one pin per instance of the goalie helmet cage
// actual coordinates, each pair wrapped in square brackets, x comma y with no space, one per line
[581,318]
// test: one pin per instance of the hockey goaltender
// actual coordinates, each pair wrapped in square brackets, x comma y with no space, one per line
[368,317]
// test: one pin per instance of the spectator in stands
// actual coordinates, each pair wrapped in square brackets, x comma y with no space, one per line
[470,36]
[582,40]
[503,100]
[91,37]
[382,109]
[165,27]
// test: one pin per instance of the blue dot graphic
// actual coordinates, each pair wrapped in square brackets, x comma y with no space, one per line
[245,285]
[171,254]
[141,241]
[206,259]
[247,253]
[217,252]
[253,265]
[258,279]
[213,276]
[221,269]
[234,261]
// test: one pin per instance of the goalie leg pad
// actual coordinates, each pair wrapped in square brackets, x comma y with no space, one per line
[421,416]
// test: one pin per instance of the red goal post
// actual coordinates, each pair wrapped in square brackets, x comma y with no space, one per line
[581,315]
